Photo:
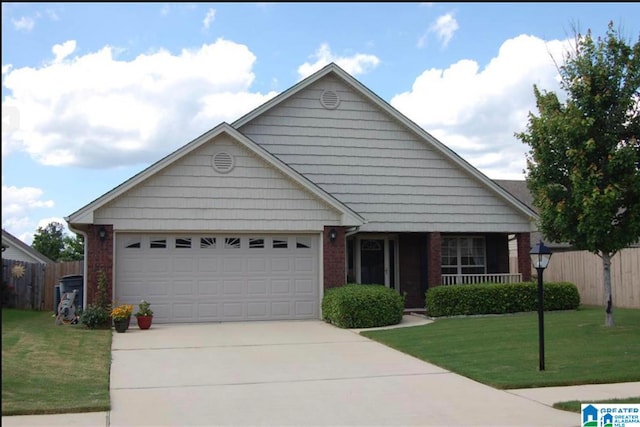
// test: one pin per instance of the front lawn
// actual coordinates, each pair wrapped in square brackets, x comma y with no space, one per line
[49,369]
[502,351]
[576,405]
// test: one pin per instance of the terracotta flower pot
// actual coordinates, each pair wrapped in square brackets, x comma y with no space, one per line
[144,322]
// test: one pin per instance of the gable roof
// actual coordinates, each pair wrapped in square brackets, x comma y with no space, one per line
[85,215]
[338,72]
[9,241]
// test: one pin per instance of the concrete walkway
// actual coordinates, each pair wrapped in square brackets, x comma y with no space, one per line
[301,373]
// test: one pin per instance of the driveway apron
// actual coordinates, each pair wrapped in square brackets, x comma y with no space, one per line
[302,373]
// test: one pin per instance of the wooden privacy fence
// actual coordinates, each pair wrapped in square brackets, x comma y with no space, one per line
[31,286]
[22,284]
[584,269]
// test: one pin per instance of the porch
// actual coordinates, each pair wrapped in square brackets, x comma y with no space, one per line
[413,262]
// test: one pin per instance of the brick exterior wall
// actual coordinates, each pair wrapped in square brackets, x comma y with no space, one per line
[334,258]
[100,258]
[524,259]
[434,259]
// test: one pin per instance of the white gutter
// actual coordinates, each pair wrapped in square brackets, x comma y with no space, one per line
[84,264]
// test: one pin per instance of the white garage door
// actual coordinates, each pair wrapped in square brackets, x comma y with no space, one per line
[213,278]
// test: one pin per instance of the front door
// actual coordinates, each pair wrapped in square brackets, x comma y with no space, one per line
[372,261]
[375,260]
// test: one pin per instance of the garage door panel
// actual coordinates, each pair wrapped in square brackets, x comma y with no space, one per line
[208,288]
[304,287]
[280,264]
[183,312]
[232,265]
[208,265]
[304,308]
[256,287]
[183,288]
[183,265]
[204,278]
[233,287]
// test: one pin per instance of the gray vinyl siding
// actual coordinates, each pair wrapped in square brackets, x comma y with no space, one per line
[378,167]
[190,195]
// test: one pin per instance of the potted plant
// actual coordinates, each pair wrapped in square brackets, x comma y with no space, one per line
[121,314]
[144,316]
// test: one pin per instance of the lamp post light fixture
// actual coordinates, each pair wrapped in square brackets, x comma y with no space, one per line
[540,256]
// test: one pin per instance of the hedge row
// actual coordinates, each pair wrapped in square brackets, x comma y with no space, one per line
[362,306]
[499,298]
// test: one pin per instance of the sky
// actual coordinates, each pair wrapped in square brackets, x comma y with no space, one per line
[94,93]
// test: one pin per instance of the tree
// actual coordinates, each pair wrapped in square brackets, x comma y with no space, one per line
[51,242]
[583,169]
[73,248]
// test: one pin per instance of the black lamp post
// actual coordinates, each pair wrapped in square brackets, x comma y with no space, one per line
[540,256]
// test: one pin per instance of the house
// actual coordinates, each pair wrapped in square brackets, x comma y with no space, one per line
[15,249]
[324,184]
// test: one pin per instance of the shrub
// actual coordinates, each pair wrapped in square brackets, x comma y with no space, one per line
[362,306]
[94,317]
[499,298]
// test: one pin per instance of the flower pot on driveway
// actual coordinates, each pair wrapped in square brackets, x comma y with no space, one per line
[120,325]
[144,322]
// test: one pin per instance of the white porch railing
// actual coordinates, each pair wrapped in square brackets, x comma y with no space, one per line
[469,279]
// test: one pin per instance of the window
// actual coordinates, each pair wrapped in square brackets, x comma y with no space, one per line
[232,243]
[133,243]
[183,242]
[303,242]
[158,243]
[280,243]
[207,243]
[463,255]
[256,243]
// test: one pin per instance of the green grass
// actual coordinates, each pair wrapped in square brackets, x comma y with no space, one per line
[502,351]
[575,405]
[49,369]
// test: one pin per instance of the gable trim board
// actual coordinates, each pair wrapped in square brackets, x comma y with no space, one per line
[229,183]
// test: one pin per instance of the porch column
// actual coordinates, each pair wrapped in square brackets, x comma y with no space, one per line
[524,260]
[100,256]
[334,257]
[434,259]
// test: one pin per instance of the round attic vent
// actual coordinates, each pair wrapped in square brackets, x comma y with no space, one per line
[329,99]
[223,162]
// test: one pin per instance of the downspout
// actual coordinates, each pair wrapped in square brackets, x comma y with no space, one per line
[85,270]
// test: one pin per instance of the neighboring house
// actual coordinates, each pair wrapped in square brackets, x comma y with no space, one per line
[322,185]
[15,249]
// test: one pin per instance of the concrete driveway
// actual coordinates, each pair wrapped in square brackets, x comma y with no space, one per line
[299,373]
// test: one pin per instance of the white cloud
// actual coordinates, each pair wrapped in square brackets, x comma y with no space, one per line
[97,111]
[208,19]
[61,51]
[25,23]
[476,111]
[18,204]
[356,64]
[445,27]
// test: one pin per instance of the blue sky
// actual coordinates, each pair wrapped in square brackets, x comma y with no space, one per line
[93,93]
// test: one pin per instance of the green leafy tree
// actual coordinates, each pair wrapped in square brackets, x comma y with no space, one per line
[49,241]
[583,169]
[73,249]
[54,244]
